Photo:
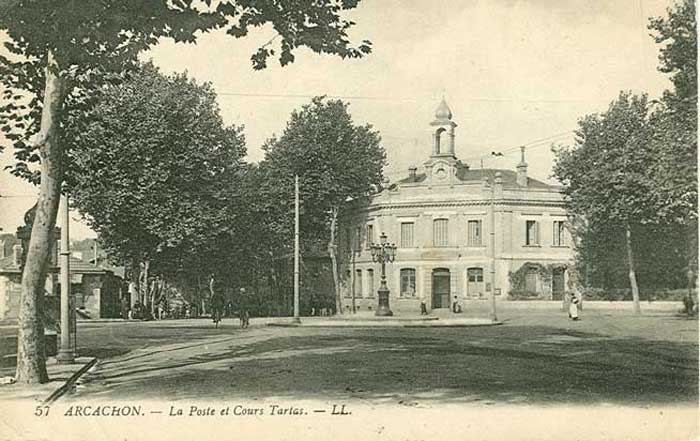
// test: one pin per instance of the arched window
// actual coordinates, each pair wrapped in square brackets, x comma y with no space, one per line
[438,140]
[408,282]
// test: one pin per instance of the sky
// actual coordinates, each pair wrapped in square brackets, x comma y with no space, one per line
[514,72]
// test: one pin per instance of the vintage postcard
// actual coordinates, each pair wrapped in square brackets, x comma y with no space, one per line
[349,220]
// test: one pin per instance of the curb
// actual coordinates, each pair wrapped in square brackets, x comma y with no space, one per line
[392,325]
[58,393]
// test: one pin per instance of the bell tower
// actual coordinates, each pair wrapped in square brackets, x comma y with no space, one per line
[443,131]
[441,167]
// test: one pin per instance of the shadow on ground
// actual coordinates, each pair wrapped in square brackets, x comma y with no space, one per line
[510,364]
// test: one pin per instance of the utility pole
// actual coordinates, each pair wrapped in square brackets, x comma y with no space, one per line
[65,353]
[297,319]
[494,318]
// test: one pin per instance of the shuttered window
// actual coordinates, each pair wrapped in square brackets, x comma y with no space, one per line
[558,234]
[440,237]
[407,235]
[475,233]
[408,282]
[369,240]
[532,233]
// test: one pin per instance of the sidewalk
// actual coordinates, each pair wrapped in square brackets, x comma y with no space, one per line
[403,321]
[62,377]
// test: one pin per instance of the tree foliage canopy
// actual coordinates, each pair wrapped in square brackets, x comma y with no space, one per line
[150,162]
[605,175]
[335,160]
[93,42]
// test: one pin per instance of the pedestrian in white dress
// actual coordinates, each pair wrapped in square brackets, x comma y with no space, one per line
[573,307]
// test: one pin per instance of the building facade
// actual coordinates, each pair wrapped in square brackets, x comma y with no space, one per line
[460,233]
[96,291]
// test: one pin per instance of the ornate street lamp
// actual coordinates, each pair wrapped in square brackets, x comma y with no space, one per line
[383,252]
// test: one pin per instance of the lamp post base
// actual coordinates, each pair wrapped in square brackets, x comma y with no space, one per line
[383,309]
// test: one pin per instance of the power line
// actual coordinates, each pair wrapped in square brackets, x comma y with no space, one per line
[393,98]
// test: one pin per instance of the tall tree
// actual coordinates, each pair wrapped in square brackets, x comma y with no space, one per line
[605,173]
[149,164]
[58,49]
[335,159]
[676,125]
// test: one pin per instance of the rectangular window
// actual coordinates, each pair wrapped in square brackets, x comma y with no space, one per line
[408,282]
[475,233]
[370,283]
[358,239]
[407,235]
[369,240]
[532,233]
[475,275]
[558,234]
[348,240]
[440,238]
[358,283]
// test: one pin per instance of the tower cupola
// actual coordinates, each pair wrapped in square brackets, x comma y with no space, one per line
[443,131]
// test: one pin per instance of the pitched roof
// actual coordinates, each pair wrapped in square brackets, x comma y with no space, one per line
[464,174]
[77,266]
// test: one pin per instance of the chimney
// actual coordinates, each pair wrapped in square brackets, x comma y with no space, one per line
[521,178]
[17,254]
[412,173]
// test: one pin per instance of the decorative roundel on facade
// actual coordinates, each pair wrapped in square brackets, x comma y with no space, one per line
[440,173]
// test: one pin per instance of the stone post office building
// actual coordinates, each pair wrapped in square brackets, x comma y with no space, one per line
[444,219]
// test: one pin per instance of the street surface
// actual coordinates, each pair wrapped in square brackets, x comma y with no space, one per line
[535,357]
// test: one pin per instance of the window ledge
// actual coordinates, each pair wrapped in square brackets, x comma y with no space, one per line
[532,246]
[560,246]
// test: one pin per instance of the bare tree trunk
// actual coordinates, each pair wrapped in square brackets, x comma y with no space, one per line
[632,274]
[334,262]
[31,357]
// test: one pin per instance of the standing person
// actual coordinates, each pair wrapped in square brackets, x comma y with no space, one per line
[573,307]
[125,306]
[456,307]
[423,306]
[217,300]
[243,311]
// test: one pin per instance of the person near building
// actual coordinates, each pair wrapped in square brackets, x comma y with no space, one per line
[573,307]
[456,307]
[423,306]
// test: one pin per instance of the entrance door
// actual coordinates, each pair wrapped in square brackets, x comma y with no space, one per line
[475,282]
[558,284]
[441,288]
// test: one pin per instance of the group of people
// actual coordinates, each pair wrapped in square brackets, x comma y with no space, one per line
[455,308]
[219,307]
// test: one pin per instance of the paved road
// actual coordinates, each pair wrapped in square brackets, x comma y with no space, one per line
[535,357]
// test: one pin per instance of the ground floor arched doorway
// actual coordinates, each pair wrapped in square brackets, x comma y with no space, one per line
[441,288]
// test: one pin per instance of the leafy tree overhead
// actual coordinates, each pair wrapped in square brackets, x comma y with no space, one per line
[60,50]
[335,160]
